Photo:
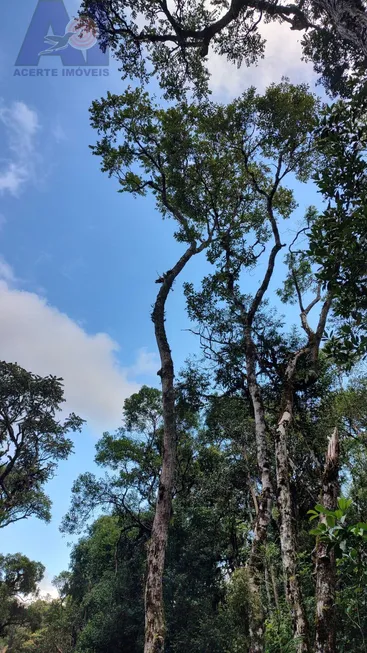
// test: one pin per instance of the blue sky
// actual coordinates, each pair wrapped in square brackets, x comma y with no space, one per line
[78,261]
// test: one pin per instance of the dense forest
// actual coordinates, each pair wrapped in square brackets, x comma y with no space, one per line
[230,514]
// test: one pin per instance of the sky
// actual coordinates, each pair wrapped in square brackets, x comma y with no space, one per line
[78,261]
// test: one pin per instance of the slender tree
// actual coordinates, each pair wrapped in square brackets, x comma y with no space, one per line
[325,557]
[154,607]
[219,172]
[282,142]
[189,179]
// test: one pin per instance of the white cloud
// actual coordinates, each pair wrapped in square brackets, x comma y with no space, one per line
[21,125]
[12,177]
[45,341]
[59,133]
[146,363]
[6,272]
[47,589]
[283,54]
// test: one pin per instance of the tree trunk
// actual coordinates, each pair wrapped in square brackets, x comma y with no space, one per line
[325,560]
[256,560]
[287,527]
[154,608]
[267,588]
[287,530]
[275,589]
[348,20]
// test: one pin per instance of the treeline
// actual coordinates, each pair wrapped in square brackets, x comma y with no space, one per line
[206,583]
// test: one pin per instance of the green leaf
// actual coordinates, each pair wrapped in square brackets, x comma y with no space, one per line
[315,516]
[320,508]
[315,531]
[344,503]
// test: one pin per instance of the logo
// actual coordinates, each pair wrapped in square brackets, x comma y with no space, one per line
[53,36]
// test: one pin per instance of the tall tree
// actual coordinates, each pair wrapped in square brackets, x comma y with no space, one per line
[207,535]
[160,148]
[32,441]
[209,168]
[289,150]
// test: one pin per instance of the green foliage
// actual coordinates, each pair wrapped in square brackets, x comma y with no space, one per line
[279,634]
[205,583]
[300,279]
[19,577]
[208,536]
[51,627]
[32,441]
[346,540]
[171,40]
[209,166]
[134,456]
[237,607]
[143,410]
[338,235]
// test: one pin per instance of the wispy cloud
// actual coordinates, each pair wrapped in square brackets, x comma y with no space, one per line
[6,272]
[147,363]
[21,126]
[47,589]
[58,133]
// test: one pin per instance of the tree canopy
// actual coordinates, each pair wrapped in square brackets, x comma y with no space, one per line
[171,40]
[206,584]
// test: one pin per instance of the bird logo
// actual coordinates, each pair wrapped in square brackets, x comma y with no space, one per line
[78,37]
[58,43]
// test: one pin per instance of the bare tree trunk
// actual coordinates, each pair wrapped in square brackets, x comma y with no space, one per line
[154,607]
[267,588]
[287,529]
[325,560]
[256,560]
[275,589]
